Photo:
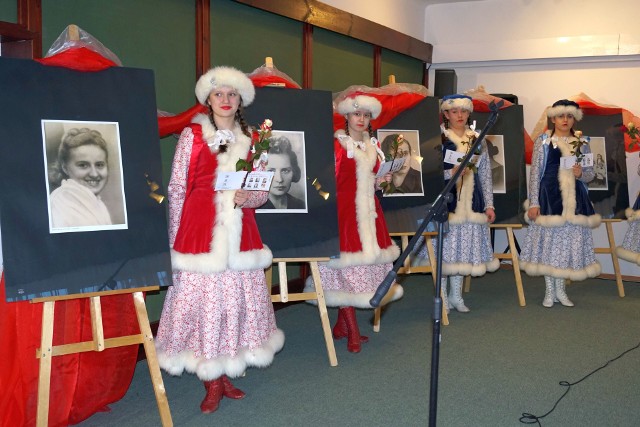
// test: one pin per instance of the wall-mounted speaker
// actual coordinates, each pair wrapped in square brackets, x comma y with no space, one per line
[445,83]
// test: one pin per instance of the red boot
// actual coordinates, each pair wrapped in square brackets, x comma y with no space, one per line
[230,391]
[340,329]
[353,332]
[211,401]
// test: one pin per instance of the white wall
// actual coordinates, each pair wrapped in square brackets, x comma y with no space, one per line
[405,16]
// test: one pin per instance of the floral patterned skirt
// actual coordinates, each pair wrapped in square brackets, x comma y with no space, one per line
[564,252]
[217,324]
[466,250]
[354,285]
[630,248]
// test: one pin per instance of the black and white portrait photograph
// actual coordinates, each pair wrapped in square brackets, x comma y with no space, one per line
[83,164]
[287,162]
[495,150]
[408,179]
[599,182]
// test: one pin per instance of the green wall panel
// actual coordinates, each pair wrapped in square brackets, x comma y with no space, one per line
[242,36]
[340,61]
[405,68]
[9,11]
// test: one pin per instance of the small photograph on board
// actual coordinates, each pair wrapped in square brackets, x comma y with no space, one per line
[83,165]
[599,182]
[408,179]
[287,161]
[495,149]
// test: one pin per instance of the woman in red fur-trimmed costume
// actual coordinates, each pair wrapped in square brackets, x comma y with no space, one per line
[217,318]
[366,250]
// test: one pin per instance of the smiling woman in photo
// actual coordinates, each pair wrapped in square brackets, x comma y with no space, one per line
[79,175]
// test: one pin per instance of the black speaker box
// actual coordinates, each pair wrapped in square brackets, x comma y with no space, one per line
[446,83]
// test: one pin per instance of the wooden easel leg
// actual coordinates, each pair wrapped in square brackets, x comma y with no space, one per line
[324,315]
[432,259]
[516,266]
[152,359]
[467,283]
[376,319]
[46,355]
[614,259]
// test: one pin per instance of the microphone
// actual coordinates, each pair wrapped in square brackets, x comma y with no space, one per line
[383,289]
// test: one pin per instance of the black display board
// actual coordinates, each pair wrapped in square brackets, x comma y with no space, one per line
[39,263]
[315,233]
[403,213]
[510,124]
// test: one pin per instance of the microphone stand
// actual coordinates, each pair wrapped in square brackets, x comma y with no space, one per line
[437,211]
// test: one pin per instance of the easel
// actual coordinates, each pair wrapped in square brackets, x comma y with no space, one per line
[512,255]
[611,249]
[284,296]
[47,350]
[408,269]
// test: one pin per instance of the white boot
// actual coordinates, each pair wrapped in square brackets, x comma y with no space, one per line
[445,300]
[561,293]
[455,298]
[549,293]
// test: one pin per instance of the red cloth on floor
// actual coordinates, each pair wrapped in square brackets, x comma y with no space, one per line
[82,383]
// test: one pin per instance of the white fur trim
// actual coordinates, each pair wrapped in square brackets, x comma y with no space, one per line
[463,212]
[344,299]
[564,109]
[535,269]
[225,76]
[567,183]
[467,269]
[232,366]
[632,215]
[464,103]
[627,255]
[360,102]
[224,252]
[366,214]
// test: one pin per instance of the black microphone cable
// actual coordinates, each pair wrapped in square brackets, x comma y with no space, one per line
[528,418]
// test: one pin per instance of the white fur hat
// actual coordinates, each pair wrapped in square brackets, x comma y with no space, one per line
[225,76]
[564,106]
[456,101]
[360,102]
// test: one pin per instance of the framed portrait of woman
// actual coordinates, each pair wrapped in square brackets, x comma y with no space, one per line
[408,179]
[287,162]
[83,164]
[599,182]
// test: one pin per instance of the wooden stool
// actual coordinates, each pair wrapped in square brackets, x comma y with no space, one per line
[284,296]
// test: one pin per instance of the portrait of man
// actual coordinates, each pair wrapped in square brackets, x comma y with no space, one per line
[495,150]
[287,162]
[84,176]
[408,179]
[599,182]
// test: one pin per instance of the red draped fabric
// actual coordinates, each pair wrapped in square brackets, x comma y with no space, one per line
[81,384]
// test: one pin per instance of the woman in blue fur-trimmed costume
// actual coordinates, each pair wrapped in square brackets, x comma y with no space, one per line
[559,242]
[467,248]
[630,248]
